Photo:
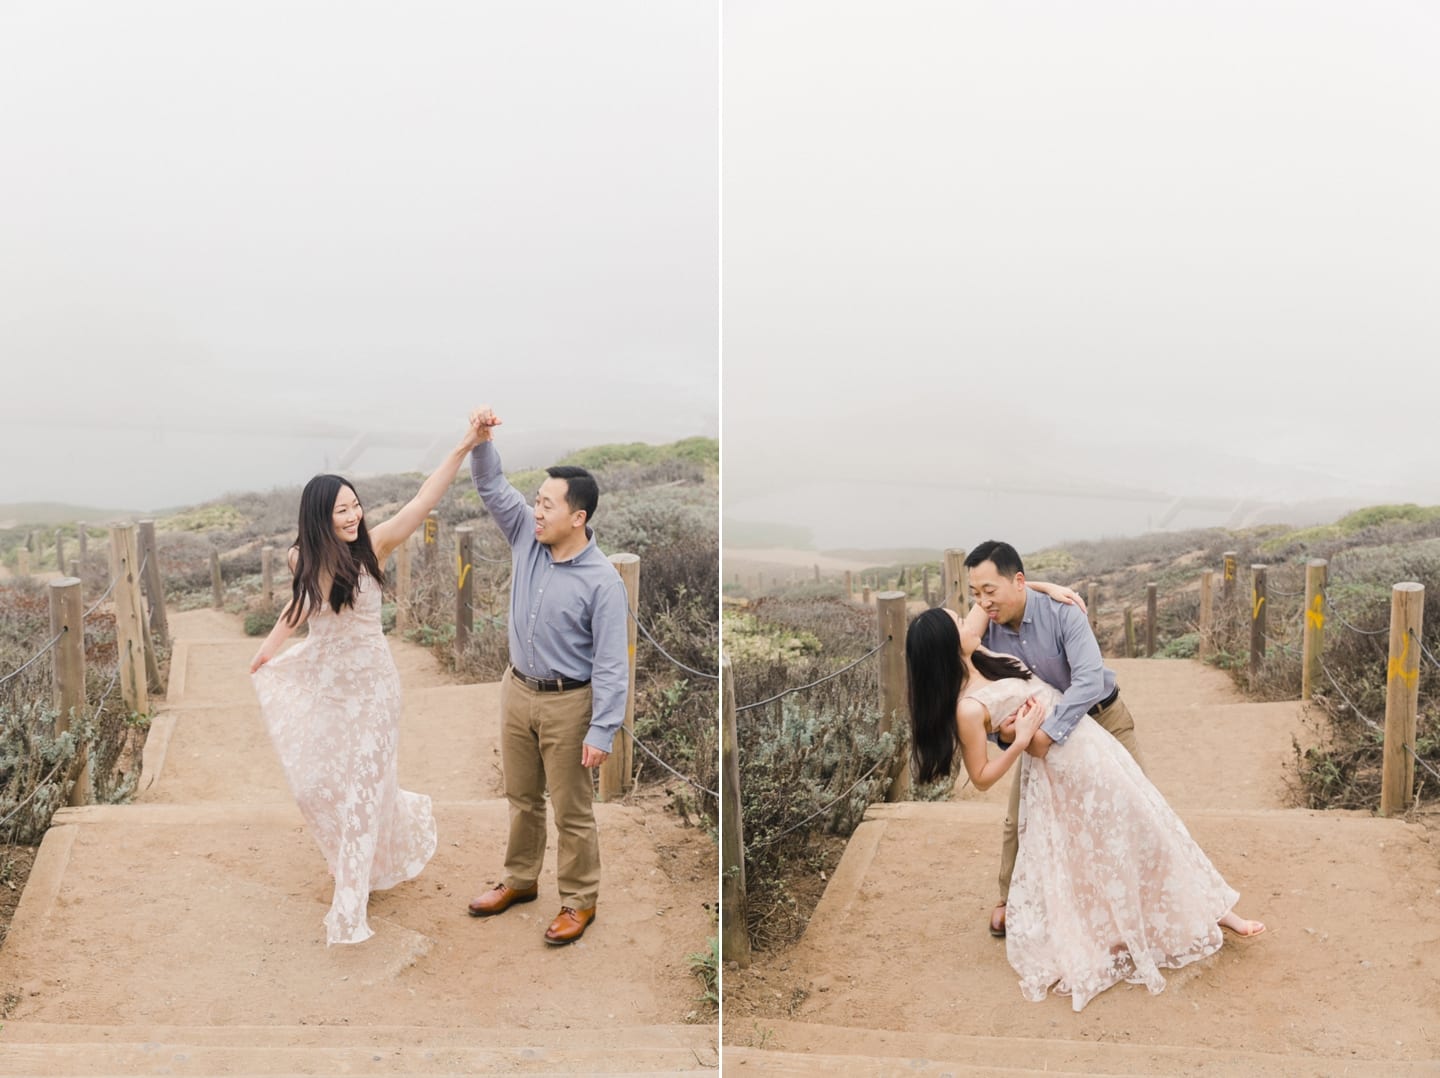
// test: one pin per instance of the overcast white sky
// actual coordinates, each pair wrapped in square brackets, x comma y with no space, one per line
[226,224]
[1192,248]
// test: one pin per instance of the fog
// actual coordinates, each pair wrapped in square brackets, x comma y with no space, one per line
[244,242]
[1060,271]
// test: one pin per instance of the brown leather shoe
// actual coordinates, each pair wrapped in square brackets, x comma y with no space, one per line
[997,922]
[500,898]
[569,926]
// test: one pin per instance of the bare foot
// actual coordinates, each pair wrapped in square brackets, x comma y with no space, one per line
[1240,926]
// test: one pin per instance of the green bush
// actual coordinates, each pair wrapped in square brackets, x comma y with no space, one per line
[260,622]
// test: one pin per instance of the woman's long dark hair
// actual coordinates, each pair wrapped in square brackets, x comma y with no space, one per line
[937,678]
[321,552]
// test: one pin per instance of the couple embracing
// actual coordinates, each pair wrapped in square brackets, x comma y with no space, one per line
[332,703]
[1100,882]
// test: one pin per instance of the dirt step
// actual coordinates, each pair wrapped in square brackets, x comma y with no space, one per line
[899,941]
[42,1050]
[211,915]
[1147,681]
[803,1049]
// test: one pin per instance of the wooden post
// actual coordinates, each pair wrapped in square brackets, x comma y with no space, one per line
[1257,622]
[955,578]
[402,586]
[1207,613]
[817,574]
[267,577]
[735,944]
[1402,697]
[1129,632]
[1227,579]
[154,587]
[129,627]
[865,595]
[849,584]
[1313,650]
[617,773]
[1092,603]
[75,567]
[1151,607]
[59,551]
[464,589]
[925,585]
[82,536]
[894,710]
[431,535]
[67,615]
[217,581]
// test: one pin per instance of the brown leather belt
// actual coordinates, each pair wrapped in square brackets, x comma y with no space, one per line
[548,684]
[1095,709]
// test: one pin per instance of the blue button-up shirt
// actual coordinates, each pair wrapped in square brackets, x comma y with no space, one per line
[567,618]
[1056,642]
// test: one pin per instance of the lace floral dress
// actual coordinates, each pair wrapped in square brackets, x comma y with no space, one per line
[332,706]
[1108,885]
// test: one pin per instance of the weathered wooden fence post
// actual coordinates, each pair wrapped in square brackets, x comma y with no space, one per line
[817,574]
[617,773]
[925,585]
[1313,651]
[849,584]
[955,579]
[1207,614]
[83,538]
[154,586]
[130,632]
[1402,697]
[735,944]
[60,551]
[894,710]
[1151,613]
[403,611]
[431,535]
[217,581]
[1129,632]
[1227,577]
[464,589]
[865,595]
[267,577]
[67,616]
[1257,622]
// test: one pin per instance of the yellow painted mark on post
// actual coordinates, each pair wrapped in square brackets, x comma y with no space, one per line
[1315,615]
[1259,602]
[430,528]
[462,570]
[1399,664]
[1229,569]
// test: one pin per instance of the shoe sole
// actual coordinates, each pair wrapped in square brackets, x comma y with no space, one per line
[495,913]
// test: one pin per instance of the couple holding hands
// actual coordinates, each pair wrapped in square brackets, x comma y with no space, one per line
[331,703]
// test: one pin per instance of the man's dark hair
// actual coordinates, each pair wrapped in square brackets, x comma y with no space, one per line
[1004,556]
[581,490]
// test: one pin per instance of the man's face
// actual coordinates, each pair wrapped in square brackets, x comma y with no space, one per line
[555,521]
[1003,598]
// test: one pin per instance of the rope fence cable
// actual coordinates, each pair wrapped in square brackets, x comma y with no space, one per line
[646,633]
[1350,703]
[811,685]
[1424,650]
[34,658]
[684,778]
[95,605]
[819,812]
[1353,628]
[31,795]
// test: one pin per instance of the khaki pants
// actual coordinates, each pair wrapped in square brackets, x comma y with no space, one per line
[540,745]
[1115,718]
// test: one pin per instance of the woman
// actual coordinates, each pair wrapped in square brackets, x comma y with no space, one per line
[332,702]
[1108,886]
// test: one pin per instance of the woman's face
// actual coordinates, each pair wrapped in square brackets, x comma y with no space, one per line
[968,642]
[346,515]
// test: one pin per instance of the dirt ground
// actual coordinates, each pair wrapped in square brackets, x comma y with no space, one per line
[15,863]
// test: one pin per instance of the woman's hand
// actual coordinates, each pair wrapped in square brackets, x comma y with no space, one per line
[263,656]
[1028,718]
[482,421]
[1059,592]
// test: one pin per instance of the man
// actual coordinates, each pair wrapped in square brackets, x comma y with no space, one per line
[1055,641]
[562,699]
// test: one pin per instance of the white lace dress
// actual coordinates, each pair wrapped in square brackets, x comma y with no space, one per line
[1108,885]
[332,706]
